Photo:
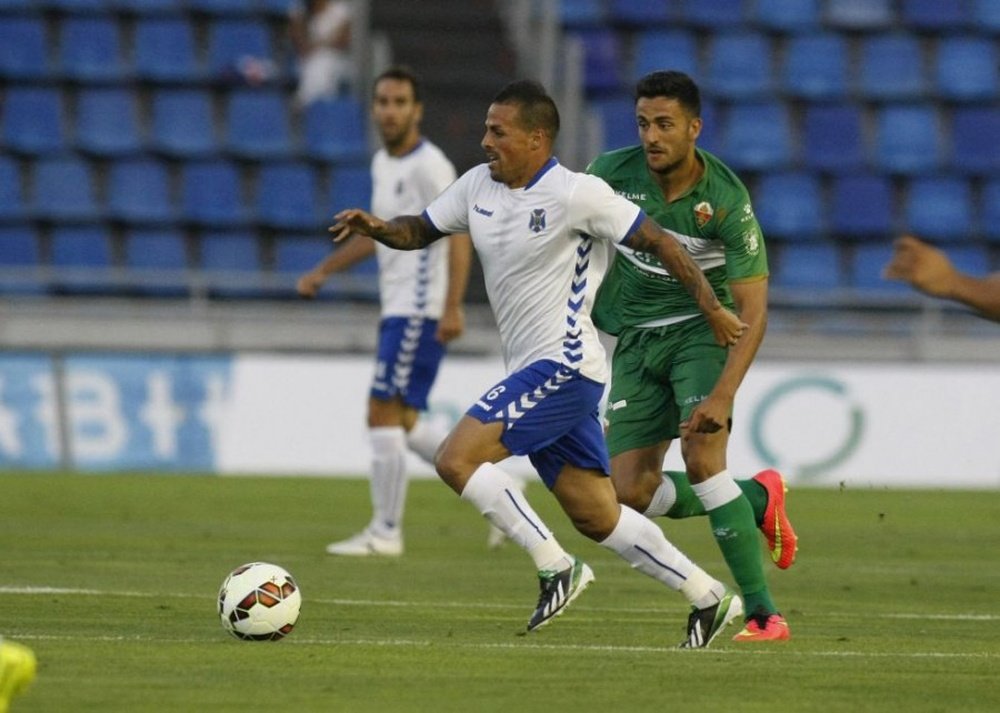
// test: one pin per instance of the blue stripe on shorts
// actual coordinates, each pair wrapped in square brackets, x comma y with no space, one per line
[408,359]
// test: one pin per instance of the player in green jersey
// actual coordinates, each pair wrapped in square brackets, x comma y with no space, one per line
[669,377]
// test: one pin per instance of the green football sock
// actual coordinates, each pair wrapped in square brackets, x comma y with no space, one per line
[733,526]
[687,503]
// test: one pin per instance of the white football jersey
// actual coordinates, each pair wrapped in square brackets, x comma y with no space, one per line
[540,262]
[411,282]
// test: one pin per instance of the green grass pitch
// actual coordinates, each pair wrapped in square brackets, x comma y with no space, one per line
[112,580]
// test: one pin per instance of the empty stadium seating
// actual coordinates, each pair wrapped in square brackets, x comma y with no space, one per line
[129,122]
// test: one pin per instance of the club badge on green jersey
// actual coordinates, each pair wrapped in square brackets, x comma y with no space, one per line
[703,213]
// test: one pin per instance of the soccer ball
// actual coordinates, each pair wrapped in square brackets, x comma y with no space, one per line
[259,602]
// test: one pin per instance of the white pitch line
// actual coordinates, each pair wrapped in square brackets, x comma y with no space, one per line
[517,646]
[395,603]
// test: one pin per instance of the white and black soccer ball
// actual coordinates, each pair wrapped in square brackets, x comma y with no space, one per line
[259,601]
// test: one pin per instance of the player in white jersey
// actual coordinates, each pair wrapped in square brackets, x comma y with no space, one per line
[421,296]
[536,226]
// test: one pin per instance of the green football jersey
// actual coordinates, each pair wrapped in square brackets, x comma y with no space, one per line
[714,221]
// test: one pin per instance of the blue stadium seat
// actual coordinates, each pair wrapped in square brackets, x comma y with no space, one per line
[139,192]
[792,16]
[145,7]
[934,15]
[973,259]
[908,139]
[602,60]
[892,67]
[33,121]
[156,250]
[183,124]
[86,253]
[229,251]
[107,122]
[618,121]
[64,190]
[582,13]
[335,129]
[18,248]
[966,69]
[715,15]
[275,8]
[666,49]
[157,261]
[639,13]
[807,267]
[867,262]
[25,53]
[295,254]
[711,135]
[165,50]
[287,195]
[257,124]
[986,15]
[90,49]
[212,194]
[940,208]
[69,6]
[12,204]
[20,258]
[739,65]
[816,66]
[859,14]
[232,264]
[789,206]
[832,138]
[990,216]
[861,205]
[229,41]
[350,187]
[757,136]
[221,7]
[11,5]
[975,136]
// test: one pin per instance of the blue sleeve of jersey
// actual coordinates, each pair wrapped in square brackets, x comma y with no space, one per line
[437,232]
[627,240]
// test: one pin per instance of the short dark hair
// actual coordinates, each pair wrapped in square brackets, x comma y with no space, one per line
[537,109]
[404,74]
[672,85]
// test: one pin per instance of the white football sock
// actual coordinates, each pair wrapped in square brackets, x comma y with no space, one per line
[717,491]
[424,438]
[388,481]
[500,499]
[643,545]
[663,499]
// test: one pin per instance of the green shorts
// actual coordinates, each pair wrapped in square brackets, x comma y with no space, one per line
[658,376]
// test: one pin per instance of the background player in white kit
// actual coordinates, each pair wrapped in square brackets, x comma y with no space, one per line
[534,224]
[421,299]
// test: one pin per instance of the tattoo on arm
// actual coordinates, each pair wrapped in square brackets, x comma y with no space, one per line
[407,232]
[652,239]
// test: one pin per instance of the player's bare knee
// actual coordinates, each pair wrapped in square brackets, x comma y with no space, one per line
[453,467]
[636,489]
[596,525]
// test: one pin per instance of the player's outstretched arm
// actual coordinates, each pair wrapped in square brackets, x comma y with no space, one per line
[353,251]
[653,239]
[930,271]
[405,232]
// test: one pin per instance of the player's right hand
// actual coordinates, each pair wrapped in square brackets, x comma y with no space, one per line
[354,220]
[726,327]
[309,284]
